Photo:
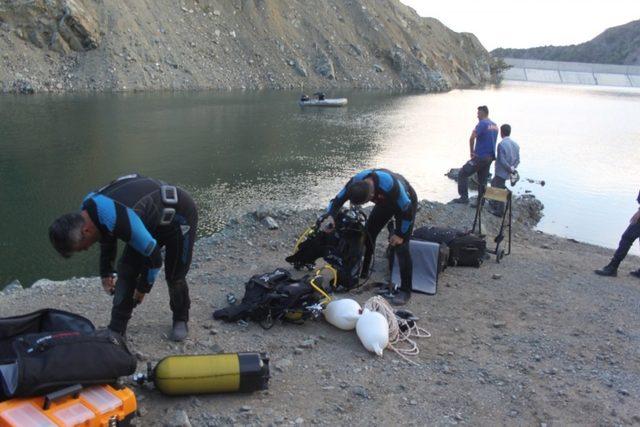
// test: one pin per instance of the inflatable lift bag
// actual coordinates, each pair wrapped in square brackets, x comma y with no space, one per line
[100,405]
[212,373]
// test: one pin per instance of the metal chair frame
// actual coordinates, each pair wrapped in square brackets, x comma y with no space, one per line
[499,195]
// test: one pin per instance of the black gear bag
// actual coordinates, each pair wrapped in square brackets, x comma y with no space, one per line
[465,249]
[343,249]
[276,296]
[51,349]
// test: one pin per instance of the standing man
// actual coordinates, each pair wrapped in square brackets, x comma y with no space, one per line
[482,147]
[146,214]
[626,241]
[506,164]
[393,196]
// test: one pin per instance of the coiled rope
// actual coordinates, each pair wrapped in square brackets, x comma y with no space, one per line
[401,331]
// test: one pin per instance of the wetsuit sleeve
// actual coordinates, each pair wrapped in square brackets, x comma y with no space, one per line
[405,214]
[337,202]
[150,272]
[123,223]
[108,252]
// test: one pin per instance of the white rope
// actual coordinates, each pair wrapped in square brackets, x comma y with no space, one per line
[401,331]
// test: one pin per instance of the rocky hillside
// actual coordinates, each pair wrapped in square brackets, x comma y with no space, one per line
[97,45]
[617,45]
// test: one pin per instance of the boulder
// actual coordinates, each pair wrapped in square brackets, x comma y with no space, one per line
[179,418]
[270,223]
[23,87]
[299,68]
[324,67]
[12,287]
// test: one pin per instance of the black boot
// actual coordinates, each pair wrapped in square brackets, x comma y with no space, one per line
[461,200]
[608,270]
[401,298]
[636,273]
[179,331]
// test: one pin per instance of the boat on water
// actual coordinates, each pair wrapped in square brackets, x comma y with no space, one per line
[327,102]
[320,100]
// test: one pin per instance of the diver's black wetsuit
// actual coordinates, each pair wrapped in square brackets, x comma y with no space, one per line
[132,209]
[393,196]
[626,241]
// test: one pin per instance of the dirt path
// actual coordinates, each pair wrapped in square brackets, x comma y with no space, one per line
[535,340]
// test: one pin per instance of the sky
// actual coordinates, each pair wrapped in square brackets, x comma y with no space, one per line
[518,23]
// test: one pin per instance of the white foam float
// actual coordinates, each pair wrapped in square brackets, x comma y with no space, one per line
[343,313]
[373,330]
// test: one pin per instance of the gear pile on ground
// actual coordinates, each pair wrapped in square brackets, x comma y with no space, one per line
[537,339]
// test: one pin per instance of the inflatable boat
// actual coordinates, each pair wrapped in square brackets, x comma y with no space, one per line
[336,102]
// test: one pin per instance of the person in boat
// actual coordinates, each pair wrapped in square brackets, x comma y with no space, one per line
[393,196]
[304,97]
[626,241]
[147,214]
[482,147]
[320,96]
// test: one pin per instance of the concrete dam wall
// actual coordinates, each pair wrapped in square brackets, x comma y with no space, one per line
[533,70]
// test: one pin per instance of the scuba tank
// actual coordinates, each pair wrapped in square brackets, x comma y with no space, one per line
[209,373]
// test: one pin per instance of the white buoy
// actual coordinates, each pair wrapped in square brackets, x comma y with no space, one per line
[373,330]
[343,313]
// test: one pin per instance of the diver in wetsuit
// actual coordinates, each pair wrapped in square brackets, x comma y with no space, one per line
[146,214]
[393,196]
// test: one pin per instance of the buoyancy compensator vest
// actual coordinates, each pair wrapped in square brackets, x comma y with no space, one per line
[277,296]
[343,248]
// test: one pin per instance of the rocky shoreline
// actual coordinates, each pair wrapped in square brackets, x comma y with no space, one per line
[55,46]
[535,340]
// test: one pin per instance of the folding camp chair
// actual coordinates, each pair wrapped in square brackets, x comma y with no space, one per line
[499,195]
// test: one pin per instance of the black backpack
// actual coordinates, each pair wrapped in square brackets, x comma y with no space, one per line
[276,296]
[51,349]
[467,250]
[343,249]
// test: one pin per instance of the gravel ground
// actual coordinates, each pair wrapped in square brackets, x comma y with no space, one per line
[535,340]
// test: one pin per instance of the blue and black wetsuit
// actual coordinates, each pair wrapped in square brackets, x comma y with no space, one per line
[132,209]
[394,197]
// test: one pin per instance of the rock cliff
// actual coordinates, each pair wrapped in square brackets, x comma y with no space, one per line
[104,45]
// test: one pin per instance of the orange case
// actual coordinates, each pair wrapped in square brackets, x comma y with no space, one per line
[95,406]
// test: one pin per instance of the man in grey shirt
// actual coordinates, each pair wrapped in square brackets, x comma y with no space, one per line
[506,163]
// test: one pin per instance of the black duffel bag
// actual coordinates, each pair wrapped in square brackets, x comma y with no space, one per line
[44,361]
[436,234]
[465,250]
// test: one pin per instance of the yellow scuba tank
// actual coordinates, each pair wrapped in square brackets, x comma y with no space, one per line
[211,373]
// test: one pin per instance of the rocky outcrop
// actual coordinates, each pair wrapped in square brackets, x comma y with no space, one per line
[78,45]
[58,25]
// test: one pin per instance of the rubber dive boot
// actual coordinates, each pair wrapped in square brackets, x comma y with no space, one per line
[636,273]
[401,298]
[180,331]
[608,270]
[460,200]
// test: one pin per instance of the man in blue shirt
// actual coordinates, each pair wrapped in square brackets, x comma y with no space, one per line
[482,147]
[626,241]
[393,197]
[146,214]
